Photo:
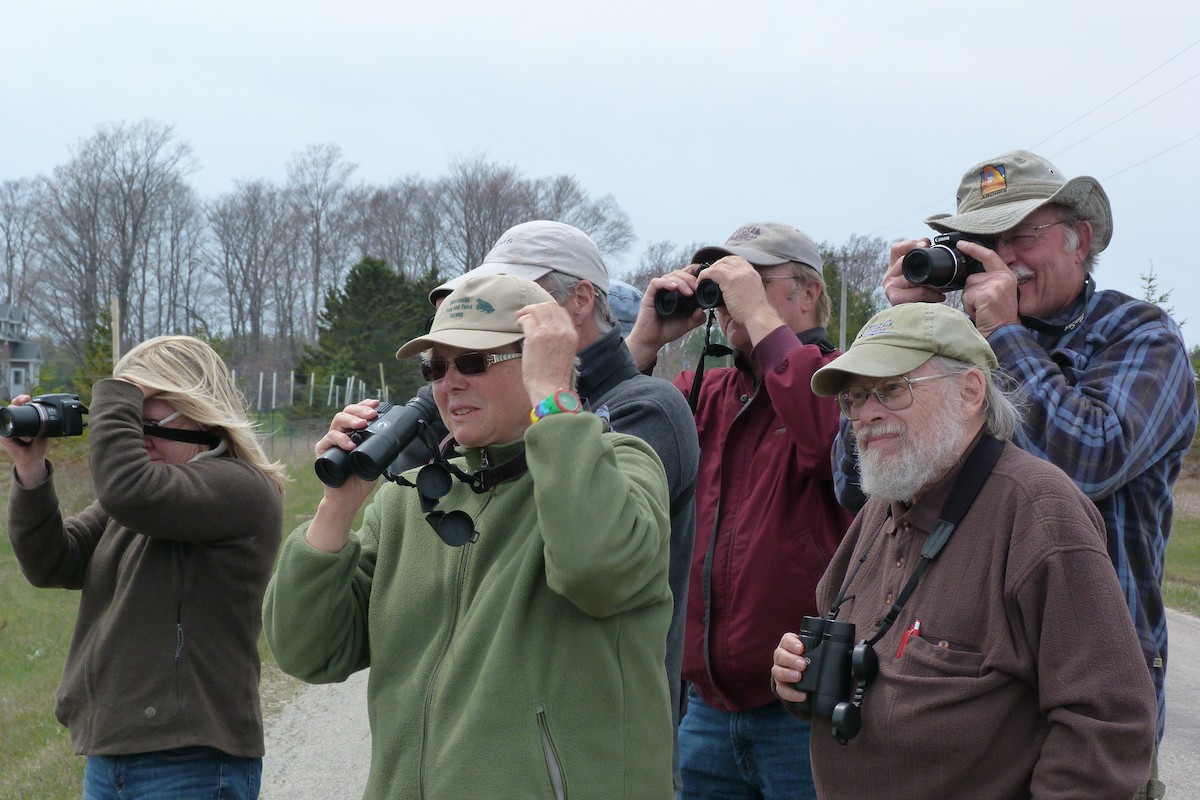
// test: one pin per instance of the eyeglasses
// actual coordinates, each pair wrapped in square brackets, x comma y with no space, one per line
[434,369]
[894,395]
[1024,238]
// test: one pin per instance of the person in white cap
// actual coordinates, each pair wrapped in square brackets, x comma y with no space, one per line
[565,261]
[512,602]
[992,655]
[767,521]
[1108,381]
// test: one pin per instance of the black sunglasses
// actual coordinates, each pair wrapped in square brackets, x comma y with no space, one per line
[434,369]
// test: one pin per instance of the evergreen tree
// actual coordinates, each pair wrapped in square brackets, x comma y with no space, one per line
[363,324]
[97,357]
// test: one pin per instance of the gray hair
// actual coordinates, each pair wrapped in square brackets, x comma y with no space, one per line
[1071,219]
[806,275]
[560,287]
[1003,400]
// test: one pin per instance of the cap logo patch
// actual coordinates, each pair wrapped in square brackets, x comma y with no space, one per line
[484,306]
[883,326]
[745,234]
[991,180]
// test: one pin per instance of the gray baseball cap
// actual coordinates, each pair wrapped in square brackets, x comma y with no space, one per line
[900,339]
[534,249]
[995,195]
[765,244]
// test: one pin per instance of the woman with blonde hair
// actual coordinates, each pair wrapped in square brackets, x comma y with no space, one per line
[160,686]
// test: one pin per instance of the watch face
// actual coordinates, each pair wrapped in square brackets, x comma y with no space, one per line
[566,401]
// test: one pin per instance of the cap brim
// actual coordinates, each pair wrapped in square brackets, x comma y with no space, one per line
[707,255]
[865,360]
[463,339]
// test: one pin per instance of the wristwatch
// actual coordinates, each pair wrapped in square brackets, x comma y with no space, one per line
[564,401]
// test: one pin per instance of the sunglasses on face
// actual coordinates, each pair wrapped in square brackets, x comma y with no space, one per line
[434,369]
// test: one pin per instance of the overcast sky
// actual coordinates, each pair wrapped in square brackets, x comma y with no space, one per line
[839,118]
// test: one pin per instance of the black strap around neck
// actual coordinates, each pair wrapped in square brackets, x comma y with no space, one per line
[1050,328]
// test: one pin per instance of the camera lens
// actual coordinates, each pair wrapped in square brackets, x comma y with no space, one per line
[25,421]
[939,267]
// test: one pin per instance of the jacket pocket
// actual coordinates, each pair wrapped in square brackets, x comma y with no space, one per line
[557,782]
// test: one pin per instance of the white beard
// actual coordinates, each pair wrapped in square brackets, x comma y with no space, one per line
[922,458]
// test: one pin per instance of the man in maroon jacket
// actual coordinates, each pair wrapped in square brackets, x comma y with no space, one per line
[767,522]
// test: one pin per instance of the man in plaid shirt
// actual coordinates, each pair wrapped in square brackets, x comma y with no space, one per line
[1110,391]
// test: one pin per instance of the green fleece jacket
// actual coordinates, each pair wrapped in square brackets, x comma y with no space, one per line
[526,664]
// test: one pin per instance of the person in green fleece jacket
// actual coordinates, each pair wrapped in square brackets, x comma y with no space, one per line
[526,662]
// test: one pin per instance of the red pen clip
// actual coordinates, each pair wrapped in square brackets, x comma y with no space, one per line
[915,630]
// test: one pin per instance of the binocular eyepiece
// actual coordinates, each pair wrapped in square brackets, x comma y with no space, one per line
[378,444]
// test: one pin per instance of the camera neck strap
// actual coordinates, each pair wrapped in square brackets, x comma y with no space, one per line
[1050,328]
[967,486]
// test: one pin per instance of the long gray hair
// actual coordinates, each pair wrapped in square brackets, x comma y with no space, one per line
[1003,400]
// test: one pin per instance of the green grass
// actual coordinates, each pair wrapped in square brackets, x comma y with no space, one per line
[36,756]
[1181,589]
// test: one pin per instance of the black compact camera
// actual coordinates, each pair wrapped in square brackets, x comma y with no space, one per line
[941,265]
[837,675]
[708,295]
[44,416]
[378,444]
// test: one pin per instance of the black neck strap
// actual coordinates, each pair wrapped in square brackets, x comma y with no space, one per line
[974,474]
[1051,329]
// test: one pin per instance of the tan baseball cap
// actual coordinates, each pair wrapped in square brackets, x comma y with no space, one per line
[481,314]
[902,338]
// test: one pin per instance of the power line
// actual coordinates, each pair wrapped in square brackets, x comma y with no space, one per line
[1115,96]
[1131,113]
[1151,158]
[909,216]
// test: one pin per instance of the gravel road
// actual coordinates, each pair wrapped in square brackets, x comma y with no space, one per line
[319,740]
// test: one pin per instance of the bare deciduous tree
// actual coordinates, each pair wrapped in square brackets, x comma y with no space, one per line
[316,187]
[563,199]
[479,201]
[247,228]
[399,224]
[103,210]
[19,201]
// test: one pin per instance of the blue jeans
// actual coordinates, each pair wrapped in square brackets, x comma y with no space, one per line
[760,753]
[186,773]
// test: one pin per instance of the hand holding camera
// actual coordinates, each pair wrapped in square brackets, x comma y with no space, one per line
[942,265]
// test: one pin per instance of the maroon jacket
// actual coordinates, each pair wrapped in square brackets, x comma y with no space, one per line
[767,522]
